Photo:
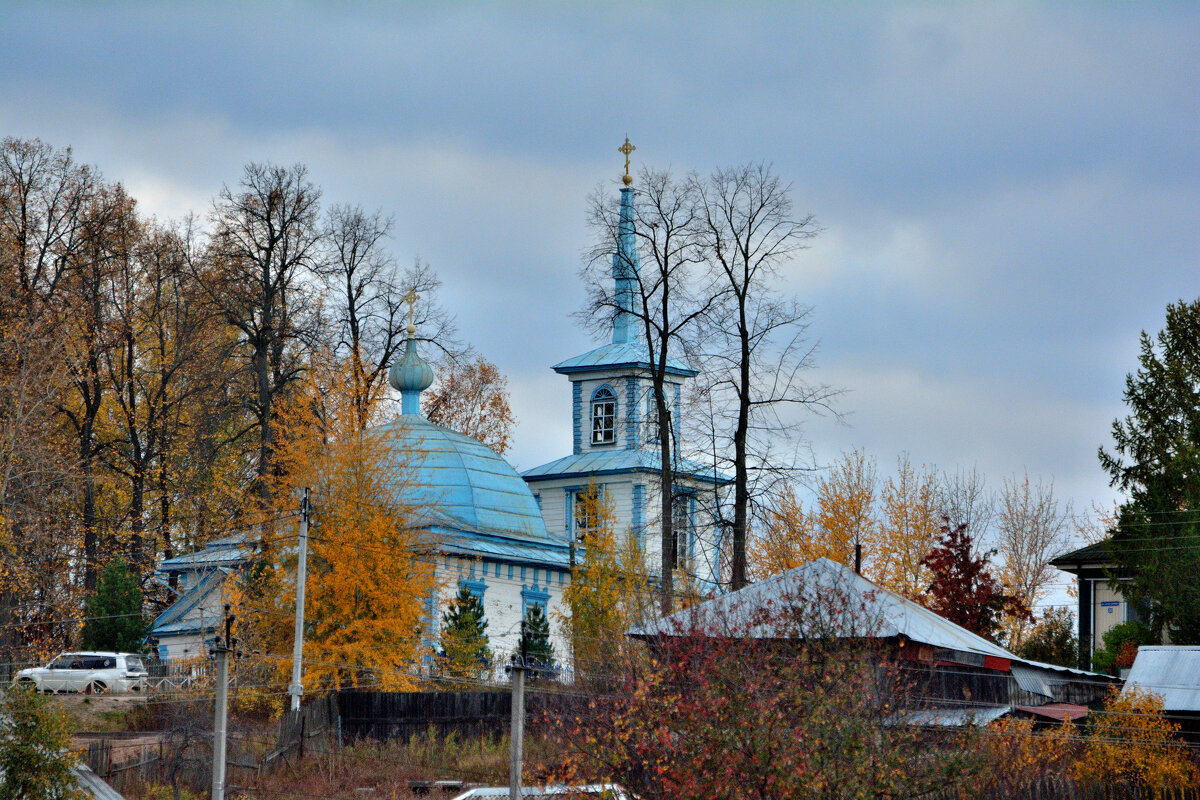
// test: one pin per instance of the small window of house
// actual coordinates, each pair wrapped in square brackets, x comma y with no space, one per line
[604,416]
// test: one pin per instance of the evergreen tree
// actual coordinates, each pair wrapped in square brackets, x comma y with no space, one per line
[962,589]
[1156,543]
[535,638]
[465,654]
[115,619]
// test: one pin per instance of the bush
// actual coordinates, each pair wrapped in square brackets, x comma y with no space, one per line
[35,756]
[1120,647]
[1053,640]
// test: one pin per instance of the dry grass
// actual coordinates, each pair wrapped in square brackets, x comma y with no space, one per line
[386,768]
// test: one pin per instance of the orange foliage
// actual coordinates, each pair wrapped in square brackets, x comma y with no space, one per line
[370,572]
[472,399]
[844,516]
[1132,741]
[1016,757]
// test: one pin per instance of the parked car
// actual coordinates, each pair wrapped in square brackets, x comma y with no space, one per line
[90,672]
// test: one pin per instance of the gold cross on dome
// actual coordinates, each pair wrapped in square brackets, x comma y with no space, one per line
[411,298]
[626,148]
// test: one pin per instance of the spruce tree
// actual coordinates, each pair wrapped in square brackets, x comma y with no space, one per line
[465,653]
[1156,462]
[535,638]
[114,611]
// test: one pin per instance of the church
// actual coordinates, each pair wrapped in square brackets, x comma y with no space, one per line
[512,539]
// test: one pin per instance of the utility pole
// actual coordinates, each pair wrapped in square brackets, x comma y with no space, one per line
[296,688]
[517,733]
[221,649]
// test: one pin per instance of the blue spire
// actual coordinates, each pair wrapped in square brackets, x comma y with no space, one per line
[625,268]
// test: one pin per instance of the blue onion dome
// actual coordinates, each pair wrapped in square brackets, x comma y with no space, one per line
[462,485]
[410,376]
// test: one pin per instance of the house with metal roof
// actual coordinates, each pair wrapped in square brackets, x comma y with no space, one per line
[1173,673]
[1101,605]
[615,445]
[975,678]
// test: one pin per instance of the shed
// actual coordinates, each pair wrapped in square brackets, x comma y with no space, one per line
[969,670]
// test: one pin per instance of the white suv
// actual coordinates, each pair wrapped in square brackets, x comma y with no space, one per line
[89,672]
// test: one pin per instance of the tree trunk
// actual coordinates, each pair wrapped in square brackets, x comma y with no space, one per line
[741,484]
[666,488]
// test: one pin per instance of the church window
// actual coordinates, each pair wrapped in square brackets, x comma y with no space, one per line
[651,419]
[681,530]
[587,511]
[604,416]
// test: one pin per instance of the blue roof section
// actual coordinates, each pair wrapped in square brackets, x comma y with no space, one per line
[614,462]
[548,554]
[230,551]
[619,354]
[174,620]
[467,485]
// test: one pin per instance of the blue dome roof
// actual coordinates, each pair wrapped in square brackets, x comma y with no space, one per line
[465,485]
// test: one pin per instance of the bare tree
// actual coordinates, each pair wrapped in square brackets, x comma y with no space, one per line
[265,243]
[964,499]
[169,361]
[368,306]
[652,249]
[757,352]
[1032,527]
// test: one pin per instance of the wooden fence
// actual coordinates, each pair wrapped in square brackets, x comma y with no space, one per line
[400,715]
[316,727]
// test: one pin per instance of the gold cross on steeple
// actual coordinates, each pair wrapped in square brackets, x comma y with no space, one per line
[411,298]
[626,148]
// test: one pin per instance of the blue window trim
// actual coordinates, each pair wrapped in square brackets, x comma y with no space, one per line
[475,587]
[591,409]
[577,416]
[631,409]
[534,597]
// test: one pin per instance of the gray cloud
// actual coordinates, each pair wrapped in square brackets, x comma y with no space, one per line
[1009,192]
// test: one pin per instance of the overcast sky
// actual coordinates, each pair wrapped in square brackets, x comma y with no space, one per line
[1009,193]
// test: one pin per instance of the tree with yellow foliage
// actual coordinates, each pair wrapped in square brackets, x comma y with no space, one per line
[472,399]
[370,572]
[908,529]
[846,508]
[843,517]
[1015,757]
[609,591]
[1131,741]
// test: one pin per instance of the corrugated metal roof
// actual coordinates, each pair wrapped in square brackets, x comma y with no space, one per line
[885,612]
[607,462]
[619,354]
[92,785]
[1172,671]
[176,618]
[463,479]
[953,717]
[229,551]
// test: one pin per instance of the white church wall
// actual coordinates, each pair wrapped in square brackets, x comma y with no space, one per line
[503,602]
